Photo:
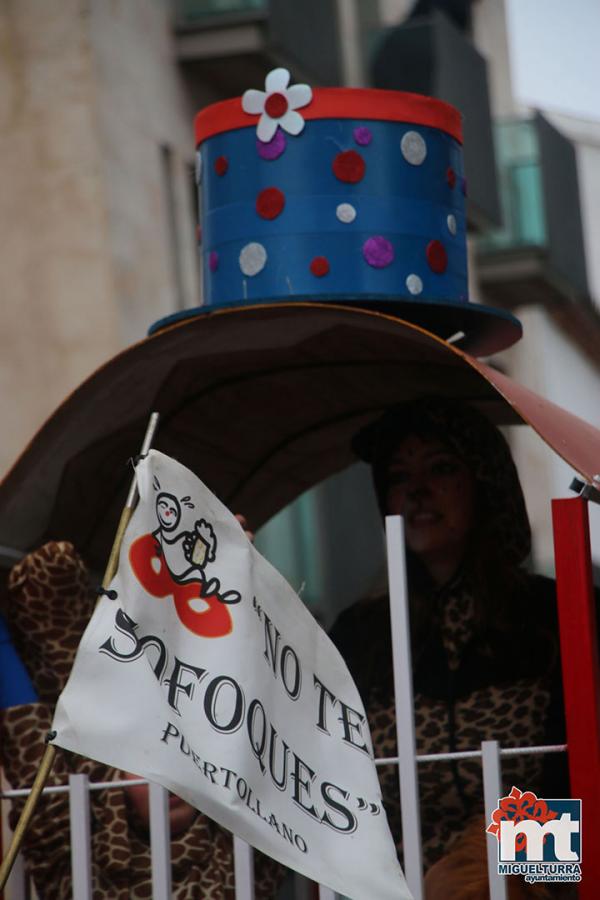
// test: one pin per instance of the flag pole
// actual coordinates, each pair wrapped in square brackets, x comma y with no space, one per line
[50,751]
[130,503]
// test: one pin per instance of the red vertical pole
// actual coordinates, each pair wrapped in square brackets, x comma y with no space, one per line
[581,674]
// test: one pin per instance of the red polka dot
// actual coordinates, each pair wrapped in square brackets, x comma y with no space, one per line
[276,105]
[319,266]
[198,234]
[437,257]
[349,166]
[451,176]
[221,165]
[270,203]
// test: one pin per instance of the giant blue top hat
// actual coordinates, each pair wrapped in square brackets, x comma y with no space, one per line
[339,195]
[328,217]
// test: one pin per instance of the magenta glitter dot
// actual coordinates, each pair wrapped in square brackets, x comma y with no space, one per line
[362,136]
[213,261]
[378,252]
[274,148]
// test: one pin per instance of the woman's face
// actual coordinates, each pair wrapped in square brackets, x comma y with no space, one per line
[434,491]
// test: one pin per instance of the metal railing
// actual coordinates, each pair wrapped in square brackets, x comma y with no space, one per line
[79,788]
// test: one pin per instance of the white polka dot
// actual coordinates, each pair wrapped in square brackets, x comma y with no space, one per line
[451,220]
[253,258]
[414,284]
[198,167]
[346,212]
[414,148]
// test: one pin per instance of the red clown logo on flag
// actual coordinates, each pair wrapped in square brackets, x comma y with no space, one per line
[170,562]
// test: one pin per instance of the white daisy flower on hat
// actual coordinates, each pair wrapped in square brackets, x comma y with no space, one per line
[277,105]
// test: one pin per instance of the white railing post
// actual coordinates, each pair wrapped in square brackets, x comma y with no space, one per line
[81,841]
[405,718]
[160,842]
[492,791]
[243,863]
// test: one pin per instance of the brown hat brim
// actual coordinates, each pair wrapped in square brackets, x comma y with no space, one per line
[261,403]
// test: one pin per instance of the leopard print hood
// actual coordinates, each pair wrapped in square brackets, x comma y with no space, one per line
[472,437]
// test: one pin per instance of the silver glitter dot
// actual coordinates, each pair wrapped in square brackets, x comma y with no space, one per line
[451,221]
[253,258]
[346,212]
[198,167]
[414,284]
[414,148]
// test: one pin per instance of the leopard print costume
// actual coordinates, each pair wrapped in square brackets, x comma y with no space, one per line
[452,714]
[49,604]
[481,670]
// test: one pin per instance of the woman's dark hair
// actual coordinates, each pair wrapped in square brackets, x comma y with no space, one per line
[500,539]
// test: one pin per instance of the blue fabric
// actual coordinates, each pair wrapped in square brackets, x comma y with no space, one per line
[317,215]
[15,685]
[408,205]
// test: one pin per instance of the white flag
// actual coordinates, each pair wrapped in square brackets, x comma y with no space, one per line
[209,676]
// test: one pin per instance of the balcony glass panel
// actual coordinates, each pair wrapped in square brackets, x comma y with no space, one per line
[288,543]
[328,543]
[520,181]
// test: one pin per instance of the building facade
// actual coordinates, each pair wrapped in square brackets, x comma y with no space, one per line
[96,153]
